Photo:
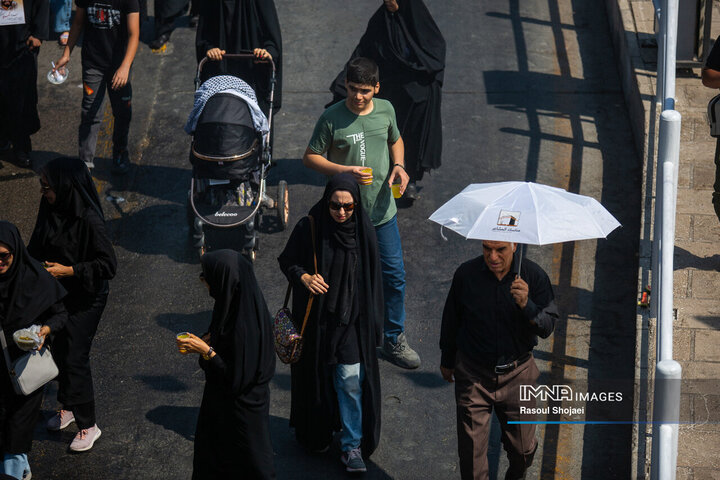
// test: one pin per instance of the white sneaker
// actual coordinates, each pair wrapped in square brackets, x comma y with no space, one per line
[85,439]
[60,420]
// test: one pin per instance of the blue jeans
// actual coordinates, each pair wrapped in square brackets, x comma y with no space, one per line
[393,275]
[348,387]
[15,465]
[62,9]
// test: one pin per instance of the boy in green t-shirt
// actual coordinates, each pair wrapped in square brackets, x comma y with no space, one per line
[358,133]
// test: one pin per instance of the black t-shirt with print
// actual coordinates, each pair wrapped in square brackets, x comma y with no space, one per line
[105,33]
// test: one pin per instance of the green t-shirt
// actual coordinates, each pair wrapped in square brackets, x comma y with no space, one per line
[350,139]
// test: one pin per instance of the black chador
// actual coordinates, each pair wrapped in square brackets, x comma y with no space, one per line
[345,324]
[241,25]
[410,52]
[18,74]
[232,439]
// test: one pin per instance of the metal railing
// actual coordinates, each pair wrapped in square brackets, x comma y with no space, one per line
[666,397]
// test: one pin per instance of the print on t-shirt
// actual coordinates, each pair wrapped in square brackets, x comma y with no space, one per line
[103,17]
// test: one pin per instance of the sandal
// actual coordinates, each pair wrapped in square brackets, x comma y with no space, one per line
[63,39]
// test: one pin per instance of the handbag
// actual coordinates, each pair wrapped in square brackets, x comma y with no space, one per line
[31,371]
[288,342]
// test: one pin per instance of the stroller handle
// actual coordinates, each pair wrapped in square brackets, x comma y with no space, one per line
[236,56]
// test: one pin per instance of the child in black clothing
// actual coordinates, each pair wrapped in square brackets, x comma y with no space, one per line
[112,33]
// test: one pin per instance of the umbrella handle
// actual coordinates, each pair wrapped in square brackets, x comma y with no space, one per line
[519,259]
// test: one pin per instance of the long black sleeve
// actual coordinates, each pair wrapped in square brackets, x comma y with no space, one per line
[103,263]
[448,329]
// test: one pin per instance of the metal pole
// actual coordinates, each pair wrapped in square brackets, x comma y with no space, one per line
[668,156]
[660,79]
[666,415]
[671,23]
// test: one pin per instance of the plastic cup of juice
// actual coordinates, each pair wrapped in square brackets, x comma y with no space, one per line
[396,190]
[180,336]
[367,171]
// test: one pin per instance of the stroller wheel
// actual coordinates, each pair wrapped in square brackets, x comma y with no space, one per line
[283,204]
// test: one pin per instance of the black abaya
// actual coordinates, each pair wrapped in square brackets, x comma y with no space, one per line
[28,296]
[314,412]
[232,439]
[242,25]
[410,52]
[71,231]
[18,74]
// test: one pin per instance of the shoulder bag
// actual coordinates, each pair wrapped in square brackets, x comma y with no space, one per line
[31,371]
[288,342]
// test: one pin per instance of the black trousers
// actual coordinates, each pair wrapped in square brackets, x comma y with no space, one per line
[72,355]
[18,416]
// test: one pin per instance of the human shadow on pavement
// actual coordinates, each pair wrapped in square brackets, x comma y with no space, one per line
[178,419]
[163,383]
[137,232]
[153,181]
[184,322]
[684,259]
[426,379]
[294,172]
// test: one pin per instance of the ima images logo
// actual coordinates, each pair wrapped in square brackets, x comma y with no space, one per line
[555,393]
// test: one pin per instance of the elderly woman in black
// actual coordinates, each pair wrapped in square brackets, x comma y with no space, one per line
[337,377]
[232,439]
[71,239]
[28,296]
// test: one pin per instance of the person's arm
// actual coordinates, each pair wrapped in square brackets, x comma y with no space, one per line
[120,78]
[538,307]
[53,319]
[397,159]
[75,30]
[448,333]
[39,24]
[322,165]
[710,78]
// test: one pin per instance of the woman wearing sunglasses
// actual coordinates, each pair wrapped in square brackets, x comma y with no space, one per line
[336,382]
[71,239]
[28,296]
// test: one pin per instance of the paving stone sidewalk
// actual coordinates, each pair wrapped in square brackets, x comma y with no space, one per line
[697,245]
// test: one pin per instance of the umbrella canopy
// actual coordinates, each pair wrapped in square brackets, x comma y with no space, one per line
[524,212]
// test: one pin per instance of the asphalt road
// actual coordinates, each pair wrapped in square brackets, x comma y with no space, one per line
[531,93]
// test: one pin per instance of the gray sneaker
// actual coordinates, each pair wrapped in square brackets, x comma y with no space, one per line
[353,461]
[400,353]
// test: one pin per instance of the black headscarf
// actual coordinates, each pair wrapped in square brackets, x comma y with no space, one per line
[71,231]
[241,327]
[341,300]
[237,25]
[27,289]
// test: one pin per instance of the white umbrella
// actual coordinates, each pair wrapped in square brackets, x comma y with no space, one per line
[524,212]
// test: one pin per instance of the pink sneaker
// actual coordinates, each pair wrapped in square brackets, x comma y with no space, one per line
[60,420]
[85,439]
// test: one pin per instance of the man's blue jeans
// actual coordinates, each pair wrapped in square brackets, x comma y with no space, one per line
[62,9]
[393,275]
[348,386]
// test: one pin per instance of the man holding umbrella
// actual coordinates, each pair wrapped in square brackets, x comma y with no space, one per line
[490,324]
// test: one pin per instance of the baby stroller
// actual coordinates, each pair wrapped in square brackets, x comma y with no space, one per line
[230,155]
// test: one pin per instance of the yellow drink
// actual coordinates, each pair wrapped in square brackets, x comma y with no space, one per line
[181,336]
[396,190]
[367,171]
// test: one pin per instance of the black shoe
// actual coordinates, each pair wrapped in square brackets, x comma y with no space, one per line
[159,42]
[121,163]
[22,158]
[411,192]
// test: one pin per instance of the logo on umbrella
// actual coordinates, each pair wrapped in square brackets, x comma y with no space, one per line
[508,218]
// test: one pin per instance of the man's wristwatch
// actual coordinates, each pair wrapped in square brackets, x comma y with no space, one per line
[206,356]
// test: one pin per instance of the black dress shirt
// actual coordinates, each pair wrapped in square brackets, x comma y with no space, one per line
[483,321]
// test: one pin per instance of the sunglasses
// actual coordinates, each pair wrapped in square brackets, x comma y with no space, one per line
[4,256]
[348,207]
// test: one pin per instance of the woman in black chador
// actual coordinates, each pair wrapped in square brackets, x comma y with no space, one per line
[232,439]
[28,296]
[337,380]
[229,26]
[404,41]
[71,239]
